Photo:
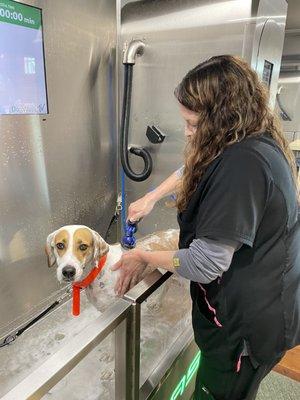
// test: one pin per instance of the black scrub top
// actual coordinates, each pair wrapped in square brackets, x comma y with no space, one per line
[247,194]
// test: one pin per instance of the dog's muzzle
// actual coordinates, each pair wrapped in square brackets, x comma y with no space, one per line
[69,269]
[68,273]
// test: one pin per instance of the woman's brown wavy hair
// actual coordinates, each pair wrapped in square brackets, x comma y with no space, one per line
[232,104]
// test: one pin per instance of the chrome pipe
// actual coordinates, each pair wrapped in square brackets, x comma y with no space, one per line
[121,357]
[127,338]
[127,358]
[133,353]
[132,50]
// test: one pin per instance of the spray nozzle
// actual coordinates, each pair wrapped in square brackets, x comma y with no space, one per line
[129,240]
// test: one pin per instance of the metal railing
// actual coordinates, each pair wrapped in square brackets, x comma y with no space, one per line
[136,296]
[41,380]
[123,317]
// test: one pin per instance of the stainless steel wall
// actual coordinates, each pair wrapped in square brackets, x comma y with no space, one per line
[60,168]
[178,35]
[289,83]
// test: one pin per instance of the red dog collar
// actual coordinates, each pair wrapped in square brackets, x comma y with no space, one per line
[84,283]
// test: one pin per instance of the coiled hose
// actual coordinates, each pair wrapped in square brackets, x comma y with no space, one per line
[125,120]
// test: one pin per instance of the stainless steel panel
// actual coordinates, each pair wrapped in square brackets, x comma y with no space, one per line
[175,373]
[179,35]
[289,80]
[37,384]
[268,40]
[42,341]
[293,16]
[43,356]
[58,169]
[121,359]
[289,85]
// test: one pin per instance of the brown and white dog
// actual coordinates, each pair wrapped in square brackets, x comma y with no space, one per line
[76,249]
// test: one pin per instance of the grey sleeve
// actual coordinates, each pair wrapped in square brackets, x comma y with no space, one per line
[206,259]
[179,171]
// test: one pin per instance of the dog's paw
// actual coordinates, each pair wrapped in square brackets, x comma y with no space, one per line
[107,375]
[106,357]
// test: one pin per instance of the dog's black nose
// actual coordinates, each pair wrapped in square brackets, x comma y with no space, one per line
[68,272]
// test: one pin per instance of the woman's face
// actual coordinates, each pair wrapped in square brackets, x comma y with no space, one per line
[191,119]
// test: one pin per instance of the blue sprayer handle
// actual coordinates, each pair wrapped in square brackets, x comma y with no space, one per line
[129,240]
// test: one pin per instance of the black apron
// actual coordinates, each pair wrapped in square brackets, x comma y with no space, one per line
[247,195]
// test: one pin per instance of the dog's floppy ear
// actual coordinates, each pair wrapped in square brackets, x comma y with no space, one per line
[49,249]
[100,246]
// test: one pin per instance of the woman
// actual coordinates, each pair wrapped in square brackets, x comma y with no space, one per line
[239,233]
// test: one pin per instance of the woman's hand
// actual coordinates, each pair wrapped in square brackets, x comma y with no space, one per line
[141,207]
[131,268]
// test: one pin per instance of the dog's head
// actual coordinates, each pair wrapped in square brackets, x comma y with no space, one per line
[74,248]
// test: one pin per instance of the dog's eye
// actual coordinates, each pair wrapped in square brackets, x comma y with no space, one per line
[83,247]
[60,246]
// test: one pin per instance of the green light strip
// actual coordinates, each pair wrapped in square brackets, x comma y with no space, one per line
[20,14]
[186,379]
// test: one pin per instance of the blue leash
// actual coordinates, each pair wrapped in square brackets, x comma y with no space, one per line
[130,228]
[123,213]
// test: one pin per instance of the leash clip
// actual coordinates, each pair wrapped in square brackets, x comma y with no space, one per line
[8,340]
[119,206]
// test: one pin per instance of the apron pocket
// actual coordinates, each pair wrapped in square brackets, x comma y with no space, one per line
[209,336]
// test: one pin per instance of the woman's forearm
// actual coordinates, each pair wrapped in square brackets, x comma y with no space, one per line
[159,259]
[167,187]
[143,206]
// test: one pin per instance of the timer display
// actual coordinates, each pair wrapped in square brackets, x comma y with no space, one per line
[20,14]
[11,15]
[22,65]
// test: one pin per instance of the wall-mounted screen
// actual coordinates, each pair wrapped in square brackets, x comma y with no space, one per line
[22,65]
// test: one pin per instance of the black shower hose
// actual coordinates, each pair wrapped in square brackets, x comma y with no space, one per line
[138,151]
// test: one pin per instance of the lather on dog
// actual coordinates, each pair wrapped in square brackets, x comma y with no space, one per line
[76,249]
